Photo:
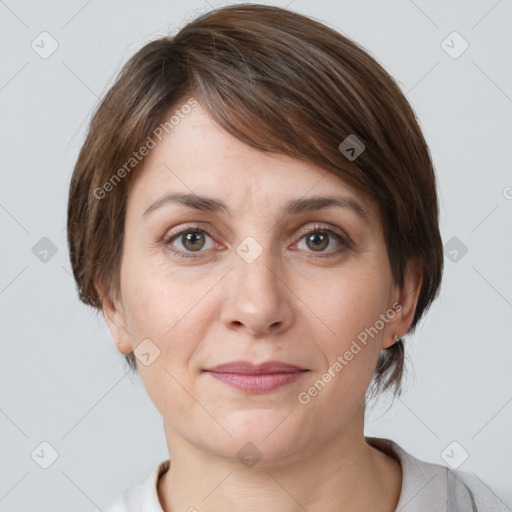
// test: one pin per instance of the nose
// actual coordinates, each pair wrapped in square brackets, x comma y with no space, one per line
[256,297]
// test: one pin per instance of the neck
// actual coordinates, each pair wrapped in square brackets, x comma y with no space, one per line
[345,474]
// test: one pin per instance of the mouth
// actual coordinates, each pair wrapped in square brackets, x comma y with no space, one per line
[259,378]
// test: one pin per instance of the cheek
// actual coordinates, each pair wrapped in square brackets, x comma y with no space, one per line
[350,301]
[163,306]
[161,313]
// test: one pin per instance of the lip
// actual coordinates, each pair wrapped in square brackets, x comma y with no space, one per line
[259,378]
[247,368]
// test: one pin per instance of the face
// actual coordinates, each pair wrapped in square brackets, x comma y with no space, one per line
[255,281]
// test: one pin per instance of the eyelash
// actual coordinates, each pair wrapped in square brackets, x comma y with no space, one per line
[317,229]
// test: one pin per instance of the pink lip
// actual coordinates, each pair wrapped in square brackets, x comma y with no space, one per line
[256,378]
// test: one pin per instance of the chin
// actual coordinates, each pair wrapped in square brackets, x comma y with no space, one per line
[265,436]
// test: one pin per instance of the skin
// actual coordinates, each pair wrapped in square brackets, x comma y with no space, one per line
[292,303]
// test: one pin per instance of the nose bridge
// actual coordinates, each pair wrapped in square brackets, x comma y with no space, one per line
[256,263]
[256,295]
[256,266]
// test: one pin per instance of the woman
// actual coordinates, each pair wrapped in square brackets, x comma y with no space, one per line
[254,209]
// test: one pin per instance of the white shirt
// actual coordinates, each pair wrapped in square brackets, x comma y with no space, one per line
[426,487]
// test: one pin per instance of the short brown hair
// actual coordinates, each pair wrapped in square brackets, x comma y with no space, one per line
[279,82]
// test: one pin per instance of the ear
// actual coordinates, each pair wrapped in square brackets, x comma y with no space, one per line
[404,304]
[115,317]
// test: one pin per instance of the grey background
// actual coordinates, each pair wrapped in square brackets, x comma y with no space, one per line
[61,379]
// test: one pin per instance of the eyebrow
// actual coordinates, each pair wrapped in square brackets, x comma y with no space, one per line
[292,207]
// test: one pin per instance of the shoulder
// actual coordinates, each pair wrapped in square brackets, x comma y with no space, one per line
[142,497]
[483,498]
[430,487]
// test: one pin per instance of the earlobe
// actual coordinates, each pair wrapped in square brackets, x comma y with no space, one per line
[116,325]
[405,305]
[114,317]
[410,292]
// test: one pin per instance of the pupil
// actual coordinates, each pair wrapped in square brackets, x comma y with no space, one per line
[190,239]
[318,240]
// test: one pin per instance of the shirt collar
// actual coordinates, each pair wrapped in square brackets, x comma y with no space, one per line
[151,503]
[424,485]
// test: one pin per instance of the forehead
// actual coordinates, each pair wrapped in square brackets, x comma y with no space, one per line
[199,157]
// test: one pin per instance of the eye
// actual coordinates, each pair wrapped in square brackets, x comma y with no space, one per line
[320,238]
[195,239]
[188,241]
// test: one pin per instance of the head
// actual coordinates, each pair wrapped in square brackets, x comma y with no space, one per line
[263,110]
